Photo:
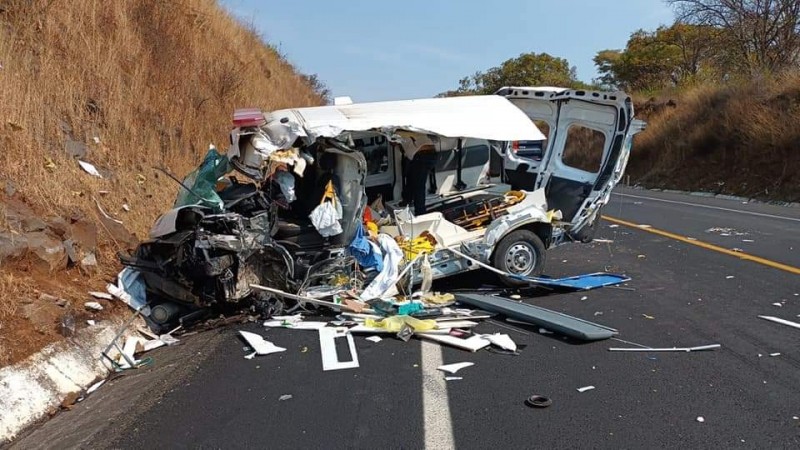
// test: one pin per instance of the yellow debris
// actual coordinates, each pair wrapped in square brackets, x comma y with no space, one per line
[396,323]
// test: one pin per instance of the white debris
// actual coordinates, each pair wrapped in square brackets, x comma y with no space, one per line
[455,367]
[95,386]
[700,419]
[375,339]
[90,169]
[613,225]
[585,388]
[778,304]
[453,378]
[101,295]
[126,207]
[644,226]
[730,277]
[259,345]
[503,341]
[91,323]
[775,354]
[544,331]
[603,241]
[93,306]
[285,397]
[584,298]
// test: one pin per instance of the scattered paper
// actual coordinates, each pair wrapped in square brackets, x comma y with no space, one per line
[453,378]
[455,367]
[585,388]
[613,225]
[774,354]
[375,339]
[90,169]
[259,345]
[648,317]
[101,295]
[779,305]
[700,419]
[91,323]
[285,397]
[584,298]
[730,277]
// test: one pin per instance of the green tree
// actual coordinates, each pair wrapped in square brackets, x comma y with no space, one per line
[668,56]
[528,69]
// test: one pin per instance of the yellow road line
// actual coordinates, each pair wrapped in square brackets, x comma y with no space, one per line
[707,246]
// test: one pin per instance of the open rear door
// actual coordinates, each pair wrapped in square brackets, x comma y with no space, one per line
[587,150]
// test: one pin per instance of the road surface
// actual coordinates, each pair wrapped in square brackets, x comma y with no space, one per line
[684,292]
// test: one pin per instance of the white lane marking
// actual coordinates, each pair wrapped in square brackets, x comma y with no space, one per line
[438,425]
[709,207]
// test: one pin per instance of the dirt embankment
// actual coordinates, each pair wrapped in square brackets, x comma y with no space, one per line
[739,139]
[126,86]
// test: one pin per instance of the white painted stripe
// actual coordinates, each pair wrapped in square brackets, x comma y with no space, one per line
[772,216]
[438,425]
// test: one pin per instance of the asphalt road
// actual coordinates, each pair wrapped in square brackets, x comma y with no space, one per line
[205,394]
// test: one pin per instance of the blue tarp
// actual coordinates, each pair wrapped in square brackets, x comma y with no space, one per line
[580,282]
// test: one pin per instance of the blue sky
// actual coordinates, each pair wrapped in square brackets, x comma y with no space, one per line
[387,50]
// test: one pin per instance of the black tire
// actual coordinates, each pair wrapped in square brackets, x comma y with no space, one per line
[521,252]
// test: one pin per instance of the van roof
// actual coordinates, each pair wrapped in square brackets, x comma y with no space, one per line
[489,117]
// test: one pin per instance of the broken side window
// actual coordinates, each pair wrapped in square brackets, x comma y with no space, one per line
[583,148]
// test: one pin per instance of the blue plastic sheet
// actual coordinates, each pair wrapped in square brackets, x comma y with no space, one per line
[364,252]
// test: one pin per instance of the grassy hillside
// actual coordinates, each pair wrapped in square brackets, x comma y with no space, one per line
[127,85]
[740,138]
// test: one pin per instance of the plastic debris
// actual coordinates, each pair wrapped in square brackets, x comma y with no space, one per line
[285,397]
[503,341]
[671,349]
[585,388]
[453,378]
[101,295]
[95,386]
[455,367]
[781,321]
[90,169]
[375,339]
[259,345]
[700,419]
[95,306]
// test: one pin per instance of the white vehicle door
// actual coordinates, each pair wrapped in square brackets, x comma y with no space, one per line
[588,148]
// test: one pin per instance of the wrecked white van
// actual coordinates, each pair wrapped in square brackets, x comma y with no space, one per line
[313,184]
[483,199]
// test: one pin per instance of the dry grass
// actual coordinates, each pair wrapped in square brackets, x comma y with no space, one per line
[740,139]
[142,83]
[155,81]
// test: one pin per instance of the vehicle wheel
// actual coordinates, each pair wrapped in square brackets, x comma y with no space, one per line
[521,253]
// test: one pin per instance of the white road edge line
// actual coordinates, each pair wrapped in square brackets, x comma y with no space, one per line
[708,206]
[435,404]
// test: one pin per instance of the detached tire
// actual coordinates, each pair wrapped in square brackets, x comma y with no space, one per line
[521,253]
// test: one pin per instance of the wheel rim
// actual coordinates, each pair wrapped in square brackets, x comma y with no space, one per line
[520,258]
